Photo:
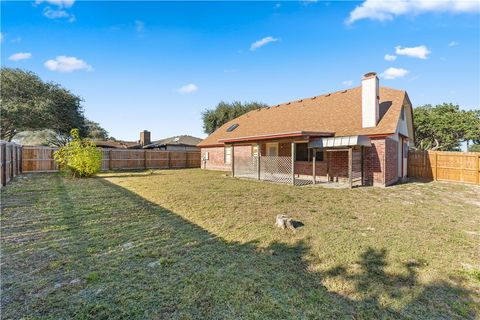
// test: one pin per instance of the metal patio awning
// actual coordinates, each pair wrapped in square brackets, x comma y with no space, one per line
[339,142]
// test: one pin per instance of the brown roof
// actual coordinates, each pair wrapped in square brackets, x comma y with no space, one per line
[339,113]
[118,144]
[183,140]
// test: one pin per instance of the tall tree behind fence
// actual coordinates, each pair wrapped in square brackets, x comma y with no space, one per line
[445,166]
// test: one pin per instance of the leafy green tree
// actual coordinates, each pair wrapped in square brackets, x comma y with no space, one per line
[474,147]
[29,104]
[95,131]
[444,127]
[224,112]
[79,157]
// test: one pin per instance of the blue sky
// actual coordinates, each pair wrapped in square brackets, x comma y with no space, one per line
[158,65]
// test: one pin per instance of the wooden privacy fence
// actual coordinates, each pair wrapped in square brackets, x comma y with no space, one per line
[445,166]
[40,159]
[149,159]
[10,155]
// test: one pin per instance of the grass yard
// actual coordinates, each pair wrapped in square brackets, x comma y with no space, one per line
[193,244]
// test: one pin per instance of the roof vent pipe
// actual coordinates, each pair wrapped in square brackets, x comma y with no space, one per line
[370,100]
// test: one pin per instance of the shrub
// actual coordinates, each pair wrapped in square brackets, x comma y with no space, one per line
[80,157]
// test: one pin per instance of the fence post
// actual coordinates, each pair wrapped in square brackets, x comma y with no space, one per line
[293,163]
[11,161]
[258,165]
[169,162]
[477,173]
[110,160]
[20,160]
[436,166]
[145,159]
[4,164]
[186,159]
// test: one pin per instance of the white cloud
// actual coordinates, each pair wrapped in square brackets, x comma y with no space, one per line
[347,83]
[139,25]
[20,56]
[59,3]
[67,64]
[392,73]
[58,14]
[1,37]
[389,9]
[262,42]
[453,44]
[390,57]
[278,5]
[420,52]
[188,88]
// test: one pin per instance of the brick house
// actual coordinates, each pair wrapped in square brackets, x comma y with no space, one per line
[359,136]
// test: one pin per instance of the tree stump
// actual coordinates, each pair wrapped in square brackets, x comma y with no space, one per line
[283,222]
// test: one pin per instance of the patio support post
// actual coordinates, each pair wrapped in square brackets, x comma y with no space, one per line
[233,161]
[314,179]
[258,163]
[327,157]
[293,163]
[350,165]
[362,152]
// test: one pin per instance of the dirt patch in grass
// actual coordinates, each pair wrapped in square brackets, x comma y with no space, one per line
[192,244]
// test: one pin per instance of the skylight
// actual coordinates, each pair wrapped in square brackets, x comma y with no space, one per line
[232,127]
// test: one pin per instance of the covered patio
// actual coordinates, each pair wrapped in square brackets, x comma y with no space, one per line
[303,160]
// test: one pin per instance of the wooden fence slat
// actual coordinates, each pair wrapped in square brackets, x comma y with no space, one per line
[445,166]
[40,159]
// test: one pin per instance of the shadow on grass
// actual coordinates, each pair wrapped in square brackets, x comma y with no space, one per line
[132,259]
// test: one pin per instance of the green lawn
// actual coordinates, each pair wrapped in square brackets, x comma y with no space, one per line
[193,244]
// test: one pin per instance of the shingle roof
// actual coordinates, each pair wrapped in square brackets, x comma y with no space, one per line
[185,140]
[339,112]
[118,144]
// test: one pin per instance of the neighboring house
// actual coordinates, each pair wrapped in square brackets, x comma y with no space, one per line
[184,142]
[117,144]
[177,143]
[360,135]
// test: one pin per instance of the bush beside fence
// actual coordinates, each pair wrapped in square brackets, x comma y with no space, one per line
[445,166]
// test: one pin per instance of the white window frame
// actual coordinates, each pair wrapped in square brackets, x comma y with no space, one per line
[227,154]
[272,144]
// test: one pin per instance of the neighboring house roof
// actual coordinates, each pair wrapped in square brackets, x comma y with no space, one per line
[338,113]
[118,144]
[184,140]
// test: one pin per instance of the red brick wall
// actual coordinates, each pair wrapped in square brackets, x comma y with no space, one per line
[215,160]
[242,151]
[216,157]
[338,162]
[374,163]
[285,149]
[391,161]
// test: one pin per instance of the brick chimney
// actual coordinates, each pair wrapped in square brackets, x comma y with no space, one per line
[145,138]
[370,100]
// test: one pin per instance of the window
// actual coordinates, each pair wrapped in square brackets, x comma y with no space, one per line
[303,153]
[232,127]
[255,149]
[318,155]
[402,113]
[272,149]
[228,155]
